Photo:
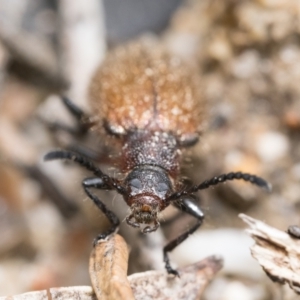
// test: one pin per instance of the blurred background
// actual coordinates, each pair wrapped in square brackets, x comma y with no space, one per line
[248,56]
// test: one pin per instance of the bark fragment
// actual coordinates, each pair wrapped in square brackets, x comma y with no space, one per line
[108,272]
[276,251]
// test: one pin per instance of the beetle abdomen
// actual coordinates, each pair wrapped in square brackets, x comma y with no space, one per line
[141,86]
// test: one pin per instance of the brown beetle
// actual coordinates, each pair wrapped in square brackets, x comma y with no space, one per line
[150,102]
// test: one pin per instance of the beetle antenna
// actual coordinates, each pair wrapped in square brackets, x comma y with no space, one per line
[60,154]
[83,161]
[222,178]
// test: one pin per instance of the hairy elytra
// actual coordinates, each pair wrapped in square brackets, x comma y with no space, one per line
[142,87]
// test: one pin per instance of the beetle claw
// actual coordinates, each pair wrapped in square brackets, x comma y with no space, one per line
[149,229]
[132,223]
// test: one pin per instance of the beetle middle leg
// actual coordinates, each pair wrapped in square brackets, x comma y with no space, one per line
[83,120]
[187,205]
[95,182]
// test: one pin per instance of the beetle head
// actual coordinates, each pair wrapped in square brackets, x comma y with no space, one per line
[148,187]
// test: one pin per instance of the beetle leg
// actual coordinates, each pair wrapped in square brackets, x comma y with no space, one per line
[189,206]
[83,119]
[95,182]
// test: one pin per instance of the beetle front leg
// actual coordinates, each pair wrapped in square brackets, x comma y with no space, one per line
[95,182]
[189,206]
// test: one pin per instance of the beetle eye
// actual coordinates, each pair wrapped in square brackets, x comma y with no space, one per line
[162,187]
[135,183]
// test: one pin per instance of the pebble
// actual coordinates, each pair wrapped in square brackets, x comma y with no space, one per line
[226,289]
[246,65]
[272,146]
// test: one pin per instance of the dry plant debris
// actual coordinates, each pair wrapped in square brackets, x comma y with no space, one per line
[191,284]
[63,293]
[108,272]
[108,269]
[276,251]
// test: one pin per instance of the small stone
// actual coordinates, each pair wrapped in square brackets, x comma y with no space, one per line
[246,65]
[223,288]
[271,146]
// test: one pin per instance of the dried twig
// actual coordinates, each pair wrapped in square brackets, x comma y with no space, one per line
[108,268]
[35,51]
[82,44]
[276,251]
[33,55]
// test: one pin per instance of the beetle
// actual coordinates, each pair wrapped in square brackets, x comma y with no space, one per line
[148,103]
